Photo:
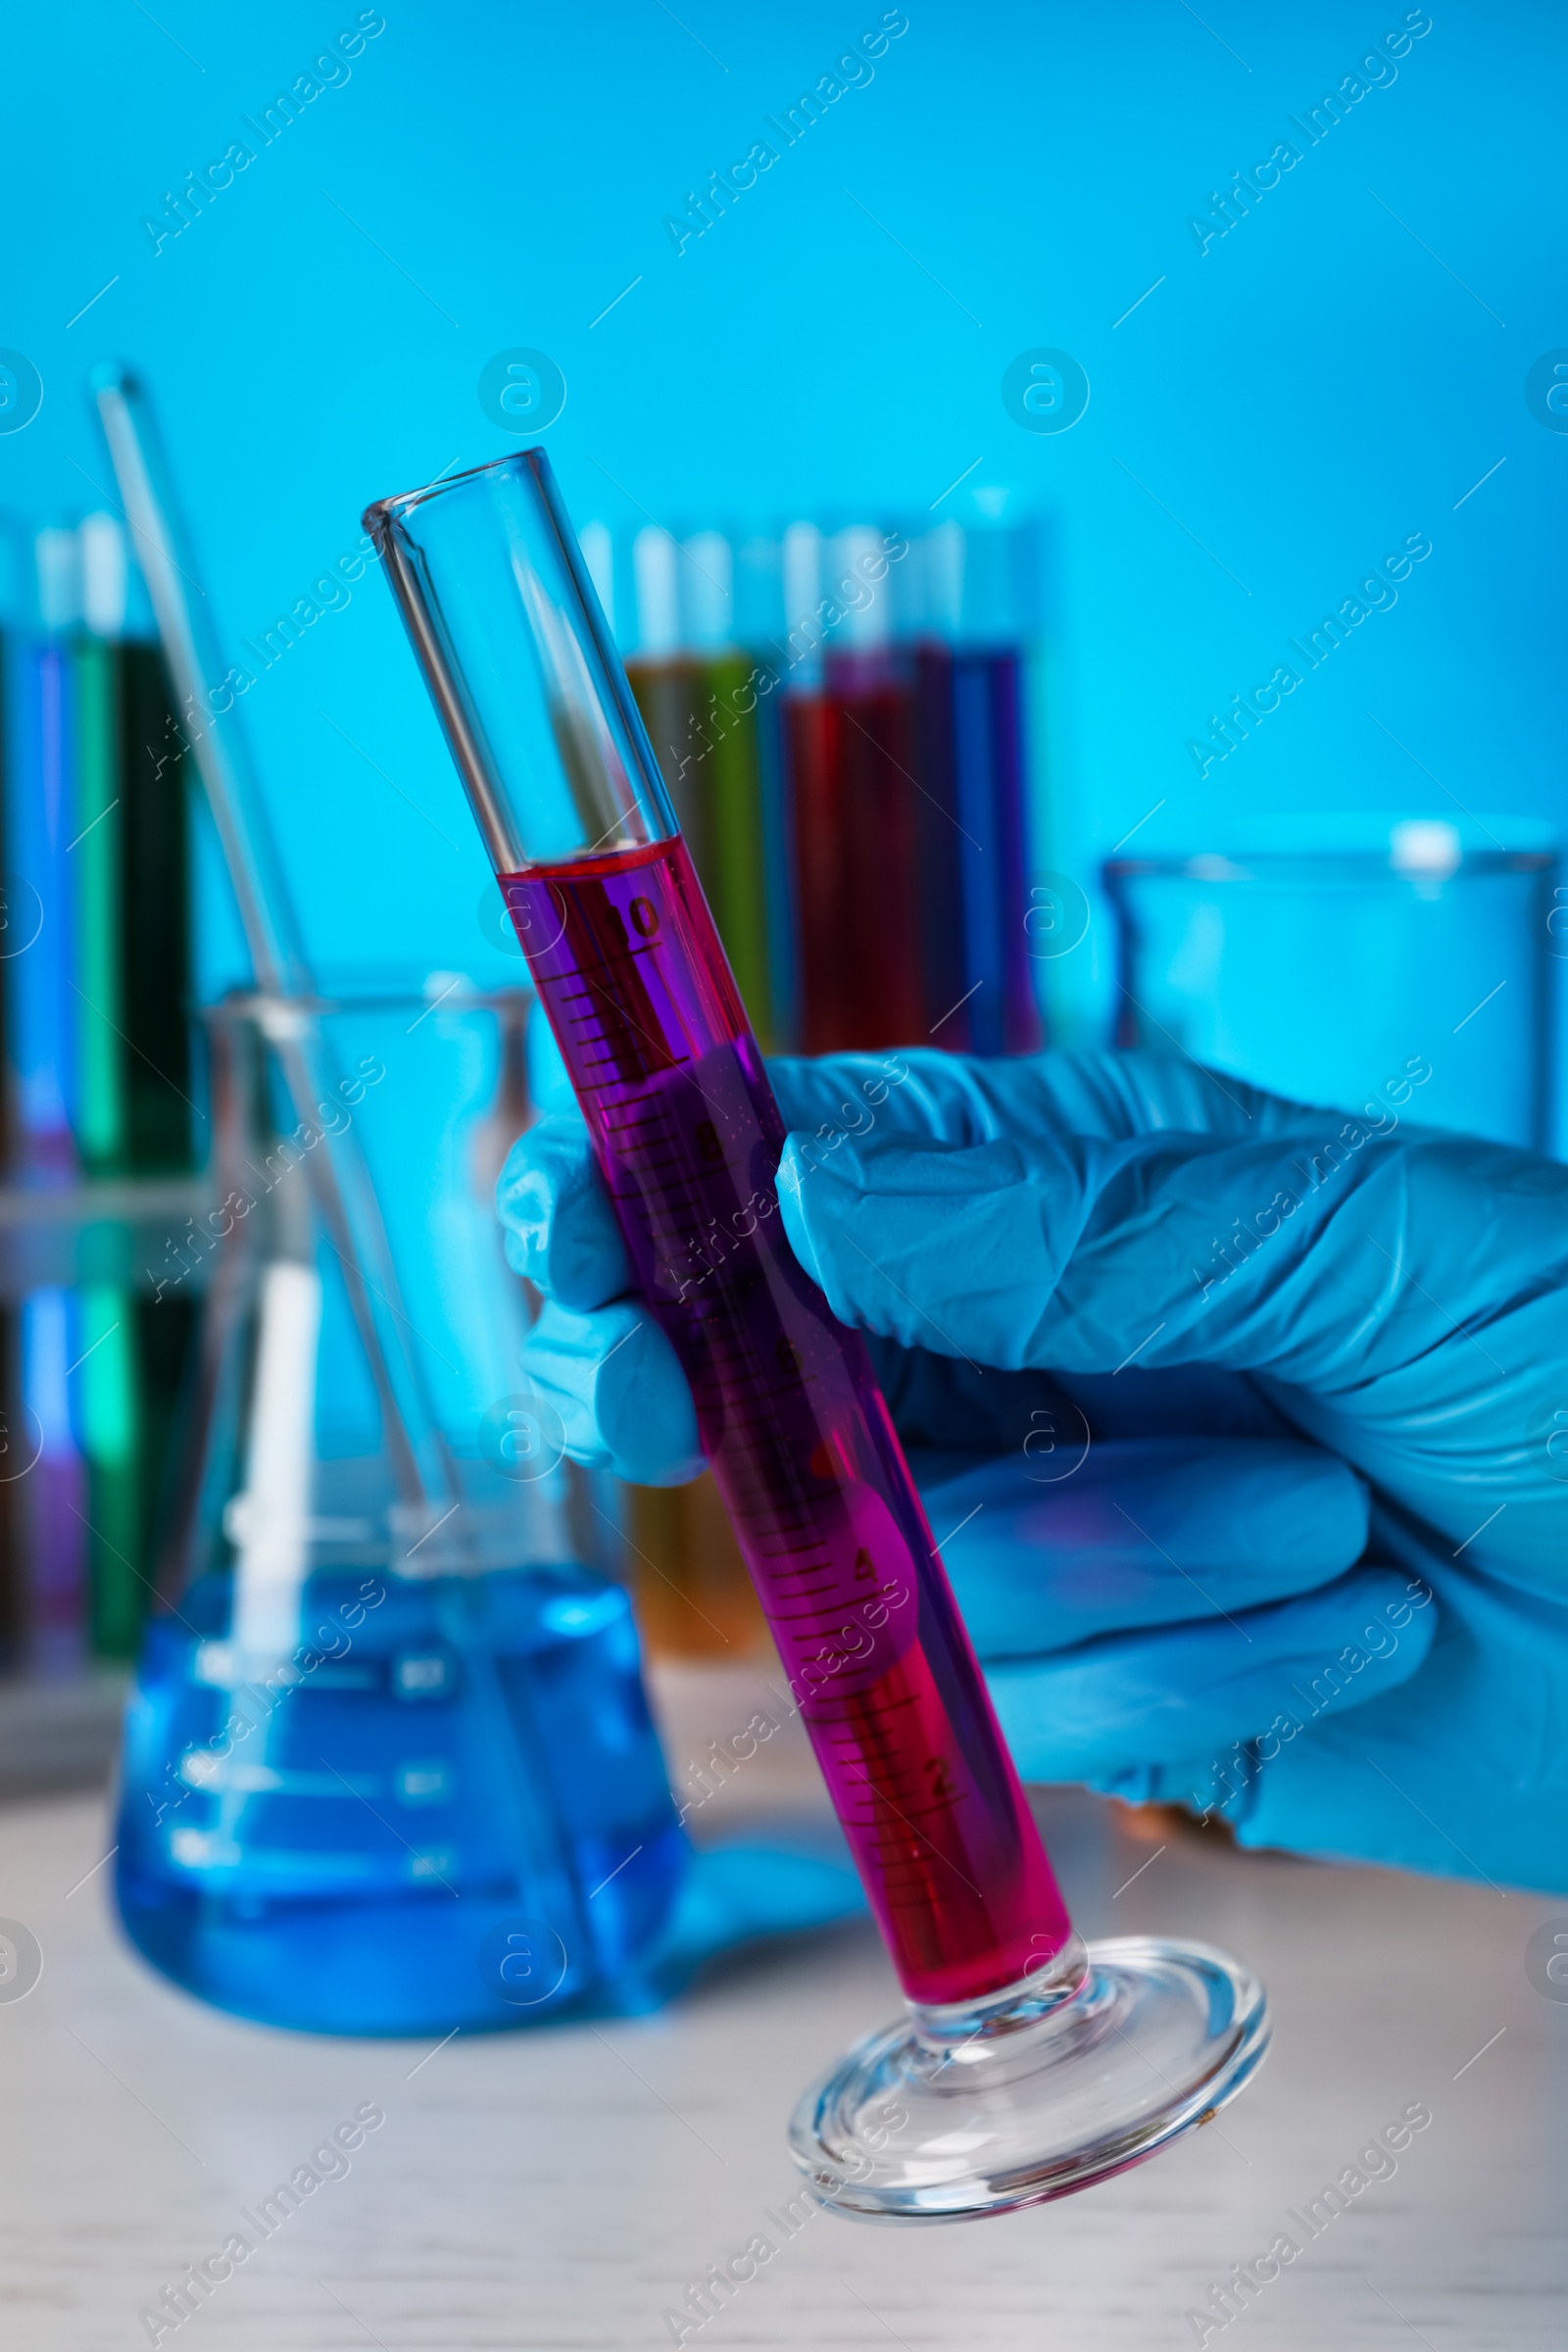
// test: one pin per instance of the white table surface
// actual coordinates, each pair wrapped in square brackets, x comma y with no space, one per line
[559,2188]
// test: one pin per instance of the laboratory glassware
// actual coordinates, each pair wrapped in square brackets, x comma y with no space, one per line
[131,1108]
[1354,959]
[851,734]
[988,732]
[51,1498]
[730,756]
[973,584]
[210,729]
[693,689]
[694,1598]
[949,993]
[759,629]
[1028,2066]
[383,1777]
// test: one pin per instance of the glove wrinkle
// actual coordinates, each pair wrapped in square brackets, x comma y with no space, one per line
[1126,1698]
[1152,1531]
[961,1100]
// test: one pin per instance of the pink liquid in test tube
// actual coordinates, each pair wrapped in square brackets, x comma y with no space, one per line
[631,971]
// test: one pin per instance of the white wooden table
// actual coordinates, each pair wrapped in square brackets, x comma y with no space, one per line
[560,2189]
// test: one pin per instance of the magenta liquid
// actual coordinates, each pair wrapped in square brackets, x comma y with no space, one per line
[632,976]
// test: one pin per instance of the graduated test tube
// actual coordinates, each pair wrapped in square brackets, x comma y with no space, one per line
[689,1141]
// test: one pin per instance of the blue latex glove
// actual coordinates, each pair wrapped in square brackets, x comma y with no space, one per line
[1310,1572]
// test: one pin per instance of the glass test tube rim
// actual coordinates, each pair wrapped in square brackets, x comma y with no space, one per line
[1365,866]
[402,502]
[260,1004]
[651,816]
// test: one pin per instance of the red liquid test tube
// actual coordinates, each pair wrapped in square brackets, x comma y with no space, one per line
[1028,2066]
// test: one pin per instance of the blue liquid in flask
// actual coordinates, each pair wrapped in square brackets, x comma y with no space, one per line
[446,1807]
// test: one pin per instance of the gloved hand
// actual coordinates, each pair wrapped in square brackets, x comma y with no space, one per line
[1310,1570]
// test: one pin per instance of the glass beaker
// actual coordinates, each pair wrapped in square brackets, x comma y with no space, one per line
[388,1764]
[1343,958]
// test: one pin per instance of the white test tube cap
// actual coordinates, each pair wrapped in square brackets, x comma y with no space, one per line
[760,593]
[105,576]
[802,557]
[859,584]
[942,558]
[57,556]
[655,564]
[708,587]
[801,561]
[598,556]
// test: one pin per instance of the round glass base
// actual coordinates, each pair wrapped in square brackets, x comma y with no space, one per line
[1044,2089]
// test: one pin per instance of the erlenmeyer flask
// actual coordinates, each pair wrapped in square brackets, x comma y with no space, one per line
[388,1763]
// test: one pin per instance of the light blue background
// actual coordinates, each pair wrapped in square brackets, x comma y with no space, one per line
[1314,387]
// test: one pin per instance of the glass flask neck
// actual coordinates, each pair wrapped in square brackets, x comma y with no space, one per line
[521,667]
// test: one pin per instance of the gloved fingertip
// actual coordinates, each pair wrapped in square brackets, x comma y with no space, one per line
[561,1231]
[794,1176]
[559,1359]
[1326,1512]
[643,1408]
